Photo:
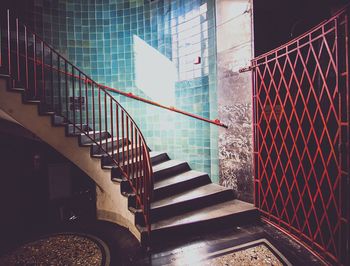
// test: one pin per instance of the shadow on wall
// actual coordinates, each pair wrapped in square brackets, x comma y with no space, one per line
[32,199]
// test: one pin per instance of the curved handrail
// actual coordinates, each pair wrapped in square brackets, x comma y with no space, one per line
[216,122]
[72,94]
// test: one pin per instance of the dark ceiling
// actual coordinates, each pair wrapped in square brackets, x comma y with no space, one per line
[277,21]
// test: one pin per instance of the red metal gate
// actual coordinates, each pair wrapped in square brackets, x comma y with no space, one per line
[301,137]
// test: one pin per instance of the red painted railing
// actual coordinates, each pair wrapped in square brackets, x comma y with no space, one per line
[301,137]
[216,122]
[62,88]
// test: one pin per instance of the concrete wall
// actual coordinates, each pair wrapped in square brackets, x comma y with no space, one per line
[234,51]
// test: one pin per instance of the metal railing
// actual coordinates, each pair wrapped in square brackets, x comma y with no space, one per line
[61,88]
[216,122]
[301,137]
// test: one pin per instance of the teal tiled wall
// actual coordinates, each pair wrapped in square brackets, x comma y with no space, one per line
[97,36]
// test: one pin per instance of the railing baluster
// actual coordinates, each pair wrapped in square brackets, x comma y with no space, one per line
[80,104]
[140,166]
[99,114]
[42,72]
[136,160]
[51,82]
[73,92]
[34,65]
[17,42]
[67,95]
[117,129]
[127,141]
[1,51]
[26,56]
[59,84]
[132,151]
[86,103]
[9,42]
[93,110]
[112,130]
[127,146]
[106,121]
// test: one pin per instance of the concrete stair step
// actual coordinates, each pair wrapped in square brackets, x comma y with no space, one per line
[215,217]
[179,183]
[189,200]
[169,168]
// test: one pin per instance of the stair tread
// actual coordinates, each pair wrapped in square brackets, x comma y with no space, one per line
[115,151]
[178,178]
[109,139]
[91,132]
[208,213]
[155,153]
[166,164]
[197,192]
[111,165]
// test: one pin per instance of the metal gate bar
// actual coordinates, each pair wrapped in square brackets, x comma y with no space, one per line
[301,137]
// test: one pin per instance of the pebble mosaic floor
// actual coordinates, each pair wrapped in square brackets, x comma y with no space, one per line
[63,249]
[258,256]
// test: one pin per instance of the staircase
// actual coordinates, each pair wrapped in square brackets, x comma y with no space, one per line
[156,197]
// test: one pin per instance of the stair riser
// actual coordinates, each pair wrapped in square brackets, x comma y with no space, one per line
[108,161]
[45,109]
[127,154]
[194,204]
[58,121]
[96,150]
[74,131]
[159,159]
[173,189]
[197,228]
[29,99]
[85,140]
[171,171]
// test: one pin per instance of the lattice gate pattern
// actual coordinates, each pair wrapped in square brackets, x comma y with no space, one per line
[301,137]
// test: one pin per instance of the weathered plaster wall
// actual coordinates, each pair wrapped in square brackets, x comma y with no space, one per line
[234,51]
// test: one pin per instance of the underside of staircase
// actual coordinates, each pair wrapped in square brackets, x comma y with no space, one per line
[184,201]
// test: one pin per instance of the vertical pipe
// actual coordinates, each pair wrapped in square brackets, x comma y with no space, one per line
[26,56]
[9,41]
[17,42]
